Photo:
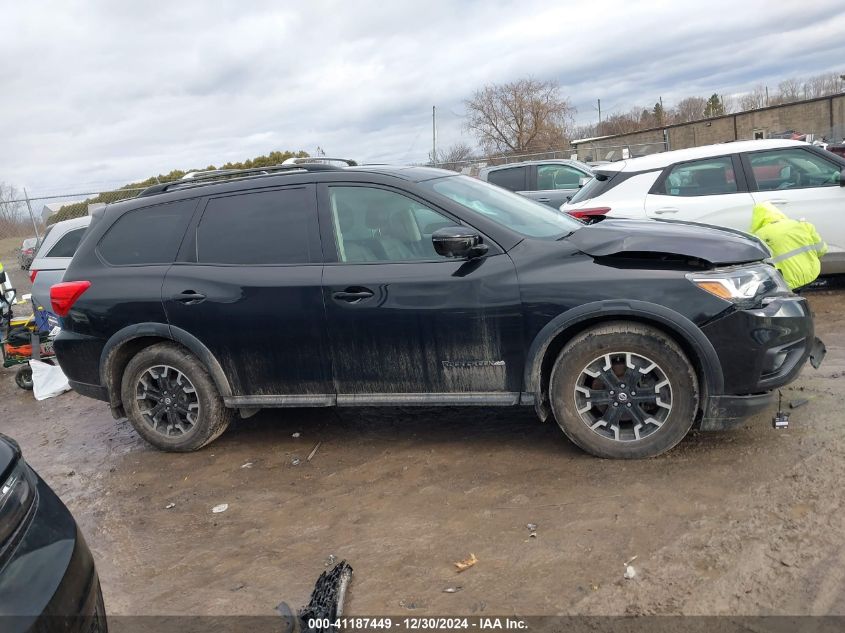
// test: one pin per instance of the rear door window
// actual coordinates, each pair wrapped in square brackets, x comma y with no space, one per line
[512,178]
[255,228]
[67,244]
[708,177]
[151,235]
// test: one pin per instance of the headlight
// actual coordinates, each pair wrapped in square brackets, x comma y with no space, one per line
[744,284]
[17,494]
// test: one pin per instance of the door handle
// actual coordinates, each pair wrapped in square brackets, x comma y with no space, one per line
[543,199]
[189,297]
[663,210]
[353,295]
[779,201]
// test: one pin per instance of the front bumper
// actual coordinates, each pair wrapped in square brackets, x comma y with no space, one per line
[48,582]
[759,349]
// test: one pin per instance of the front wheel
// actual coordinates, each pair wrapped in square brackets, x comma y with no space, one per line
[624,391]
[171,400]
[23,377]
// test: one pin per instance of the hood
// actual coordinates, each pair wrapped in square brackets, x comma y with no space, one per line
[718,246]
[765,213]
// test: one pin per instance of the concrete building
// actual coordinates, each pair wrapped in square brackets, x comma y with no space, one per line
[821,117]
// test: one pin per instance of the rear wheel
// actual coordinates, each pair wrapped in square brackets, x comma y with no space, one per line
[624,391]
[171,400]
[23,377]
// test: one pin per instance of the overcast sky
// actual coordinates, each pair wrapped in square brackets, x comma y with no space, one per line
[101,93]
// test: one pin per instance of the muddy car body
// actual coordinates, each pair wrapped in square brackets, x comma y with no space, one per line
[416,286]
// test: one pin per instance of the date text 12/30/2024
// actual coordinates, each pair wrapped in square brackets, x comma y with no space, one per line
[418,624]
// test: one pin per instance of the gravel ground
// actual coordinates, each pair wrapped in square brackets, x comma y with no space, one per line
[741,522]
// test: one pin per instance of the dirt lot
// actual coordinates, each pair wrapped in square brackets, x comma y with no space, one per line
[745,522]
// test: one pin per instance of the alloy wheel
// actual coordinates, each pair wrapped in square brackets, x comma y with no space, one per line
[623,396]
[167,400]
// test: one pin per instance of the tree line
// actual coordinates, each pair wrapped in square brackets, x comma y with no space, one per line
[533,116]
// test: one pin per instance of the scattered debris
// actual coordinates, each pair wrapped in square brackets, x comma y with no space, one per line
[247,465]
[408,605]
[330,560]
[788,562]
[452,589]
[313,451]
[630,560]
[71,473]
[297,434]
[800,402]
[463,565]
[630,572]
[237,587]
[169,506]
[294,461]
[594,586]
[532,530]
[220,508]
[329,595]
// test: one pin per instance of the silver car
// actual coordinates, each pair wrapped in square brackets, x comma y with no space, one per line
[52,259]
[551,181]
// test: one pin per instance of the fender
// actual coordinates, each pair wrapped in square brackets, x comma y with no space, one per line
[176,334]
[712,369]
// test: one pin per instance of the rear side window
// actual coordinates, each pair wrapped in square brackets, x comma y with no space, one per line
[151,235]
[267,227]
[558,177]
[709,177]
[512,178]
[67,244]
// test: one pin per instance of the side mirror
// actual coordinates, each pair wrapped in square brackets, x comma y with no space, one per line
[458,242]
[842,178]
[583,181]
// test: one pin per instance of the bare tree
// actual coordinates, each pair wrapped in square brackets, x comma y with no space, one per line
[13,217]
[520,116]
[454,158]
[689,109]
[790,90]
[754,99]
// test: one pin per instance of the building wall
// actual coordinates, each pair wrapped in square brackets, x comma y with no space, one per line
[824,117]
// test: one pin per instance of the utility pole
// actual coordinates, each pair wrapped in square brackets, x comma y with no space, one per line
[767,96]
[31,215]
[598,129]
[434,135]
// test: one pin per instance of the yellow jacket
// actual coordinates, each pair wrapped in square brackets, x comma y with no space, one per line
[796,246]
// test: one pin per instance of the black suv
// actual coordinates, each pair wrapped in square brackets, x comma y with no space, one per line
[314,285]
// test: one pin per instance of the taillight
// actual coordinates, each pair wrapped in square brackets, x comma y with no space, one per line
[588,213]
[65,294]
[32,274]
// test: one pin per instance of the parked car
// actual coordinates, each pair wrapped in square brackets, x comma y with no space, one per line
[720,184]
[54,255]
[27,252]
[312,285]
[551,182]
[48,581]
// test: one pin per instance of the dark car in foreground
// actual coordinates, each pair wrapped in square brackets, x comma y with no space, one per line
[314,285]
[47,577]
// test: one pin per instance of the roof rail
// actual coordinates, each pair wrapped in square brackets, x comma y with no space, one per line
[317,160]
[199,178]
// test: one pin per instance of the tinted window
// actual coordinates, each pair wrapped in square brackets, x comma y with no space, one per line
[558,177]
[512,178]
[373,225]
[601,183]
[268,227]
[147,236]
[67,244]
[709,177]
[792,169]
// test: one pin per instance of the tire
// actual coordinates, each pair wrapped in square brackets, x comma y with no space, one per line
[182,410]
[589,399]
[23,378]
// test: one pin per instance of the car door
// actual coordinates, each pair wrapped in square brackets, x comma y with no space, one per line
[247,285]
[710,191]
[556,183]
[407,325]
[804,186]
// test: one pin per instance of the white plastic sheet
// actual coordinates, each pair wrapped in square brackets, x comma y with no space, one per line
[47,380]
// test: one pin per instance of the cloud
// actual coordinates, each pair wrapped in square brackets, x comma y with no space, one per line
[110,92]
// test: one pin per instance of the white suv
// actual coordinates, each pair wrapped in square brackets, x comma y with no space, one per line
[720,184]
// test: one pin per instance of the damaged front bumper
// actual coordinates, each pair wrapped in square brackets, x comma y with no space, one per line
[760,350]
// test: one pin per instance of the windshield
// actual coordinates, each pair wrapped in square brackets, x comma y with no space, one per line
[519,214]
